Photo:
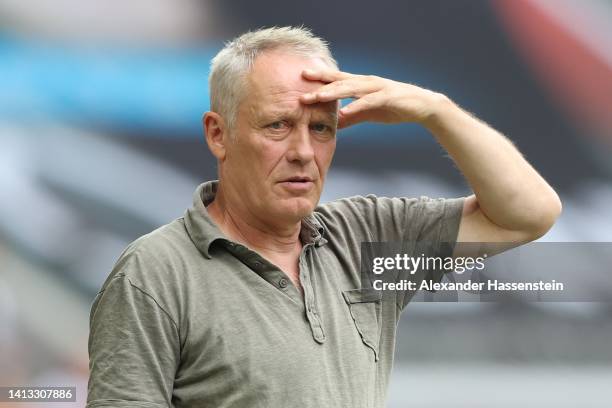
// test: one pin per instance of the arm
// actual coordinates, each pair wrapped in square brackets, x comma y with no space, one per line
[511,201]
[133,348]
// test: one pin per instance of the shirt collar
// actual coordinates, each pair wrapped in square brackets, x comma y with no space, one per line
[203,230]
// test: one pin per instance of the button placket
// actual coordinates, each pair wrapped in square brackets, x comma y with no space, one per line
[311,312]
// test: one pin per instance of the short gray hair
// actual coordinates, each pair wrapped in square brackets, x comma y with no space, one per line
[230,67]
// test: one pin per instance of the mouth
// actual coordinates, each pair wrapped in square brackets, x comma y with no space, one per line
[297,183]
[298,179]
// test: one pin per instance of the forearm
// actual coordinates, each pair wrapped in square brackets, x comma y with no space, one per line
[509,190]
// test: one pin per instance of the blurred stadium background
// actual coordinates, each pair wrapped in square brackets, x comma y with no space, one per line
[101,142]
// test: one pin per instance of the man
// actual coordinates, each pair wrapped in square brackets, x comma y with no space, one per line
[253,298]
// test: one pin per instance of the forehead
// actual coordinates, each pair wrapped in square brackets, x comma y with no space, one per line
[276,82]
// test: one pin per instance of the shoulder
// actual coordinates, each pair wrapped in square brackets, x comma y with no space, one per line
[153,258]
[377,218]
[342,205]
[362,204]
[367,202]
[152,268]
[163,241]
[368,206]
[345,211]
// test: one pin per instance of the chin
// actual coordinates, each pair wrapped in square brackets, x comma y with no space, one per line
[297,208]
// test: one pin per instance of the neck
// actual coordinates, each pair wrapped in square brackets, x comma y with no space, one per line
[241,225]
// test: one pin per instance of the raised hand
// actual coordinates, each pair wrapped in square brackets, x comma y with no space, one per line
[376,99]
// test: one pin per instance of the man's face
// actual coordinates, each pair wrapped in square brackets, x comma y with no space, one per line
[281,148]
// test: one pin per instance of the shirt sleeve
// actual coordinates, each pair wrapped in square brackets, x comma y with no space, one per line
[428,225]
[134,348]
[436,235]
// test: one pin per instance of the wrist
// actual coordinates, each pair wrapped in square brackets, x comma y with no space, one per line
[440,105]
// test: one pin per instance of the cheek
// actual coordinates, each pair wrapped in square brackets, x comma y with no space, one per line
[261,158]
[325,154]
[271,155]
[252,154]
[272,151]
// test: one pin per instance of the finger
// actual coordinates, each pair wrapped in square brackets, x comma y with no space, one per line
[325,75]
[349,88]
[356,111]
[345,121]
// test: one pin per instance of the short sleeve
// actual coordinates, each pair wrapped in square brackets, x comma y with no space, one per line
[437,228]
[431,224]
[439,219]
[133,348]
[392,219]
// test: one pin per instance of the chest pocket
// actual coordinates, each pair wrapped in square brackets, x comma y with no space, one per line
[365,307]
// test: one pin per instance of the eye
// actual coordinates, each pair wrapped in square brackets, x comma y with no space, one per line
[278,125]
[321,128]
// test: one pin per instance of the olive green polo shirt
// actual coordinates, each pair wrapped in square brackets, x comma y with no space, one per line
[188,318]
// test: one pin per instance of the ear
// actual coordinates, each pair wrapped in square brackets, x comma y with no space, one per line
[216,134]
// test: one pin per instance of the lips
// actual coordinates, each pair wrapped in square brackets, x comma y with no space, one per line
[298,184]
[298,179]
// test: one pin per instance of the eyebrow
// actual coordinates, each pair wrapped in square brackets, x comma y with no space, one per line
[286,113]
[332,115]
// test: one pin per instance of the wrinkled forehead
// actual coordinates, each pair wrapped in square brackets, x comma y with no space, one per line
[276,83]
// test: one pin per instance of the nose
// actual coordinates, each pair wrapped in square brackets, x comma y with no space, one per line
[300,146]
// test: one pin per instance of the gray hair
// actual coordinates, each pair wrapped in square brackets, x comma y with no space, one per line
[230,67]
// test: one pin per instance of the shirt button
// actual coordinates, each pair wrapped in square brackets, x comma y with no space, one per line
[283,283]
[231,244]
